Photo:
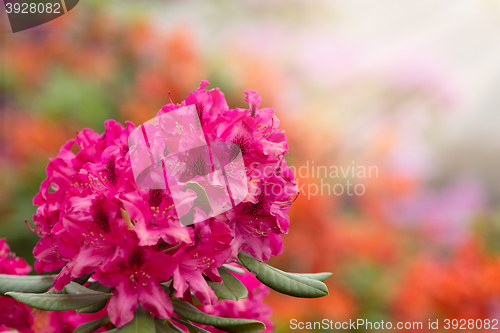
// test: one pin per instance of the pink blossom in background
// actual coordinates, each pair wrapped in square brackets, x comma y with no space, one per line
[13,314]
[9,263]
[67,321]
[447,213]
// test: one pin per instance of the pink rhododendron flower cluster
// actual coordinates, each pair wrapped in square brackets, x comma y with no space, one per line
[94,219]
[14,315]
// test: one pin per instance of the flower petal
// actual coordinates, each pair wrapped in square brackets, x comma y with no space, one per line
[122,305]
[154,299]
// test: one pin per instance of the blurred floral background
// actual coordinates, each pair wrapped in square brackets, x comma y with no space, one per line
[408,88]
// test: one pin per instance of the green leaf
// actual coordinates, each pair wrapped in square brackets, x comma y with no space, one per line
[96,285]
[25,284]
[283,282]
[231,288]
[202,200]
[92,326]
[194,300]
[71,297]
[315,276]
[190,326]
[93,308]
[83,279]
[142,323]
[168,287]
[165,326]
[171,248]
[189,312]
[75,288]
[234,269]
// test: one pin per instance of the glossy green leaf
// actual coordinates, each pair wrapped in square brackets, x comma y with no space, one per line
[168,287]
[71,297]
[235,325]
[287,283]
[25,284]
[230,288]
[165,326]
[171,248]
[75,288]
[96,285]
[191,327]
[83,279]
[93,308]
[142,323]
[202,200]
[315,276]
[234,269]
[92,326]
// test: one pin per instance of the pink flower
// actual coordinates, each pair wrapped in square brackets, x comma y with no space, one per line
[67,321]
[88,235]
[210,250]
[50,199]
[210,105]
[258,221]
[136,272]
[9,263]
[63,174]
[155,218]
[13,314]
